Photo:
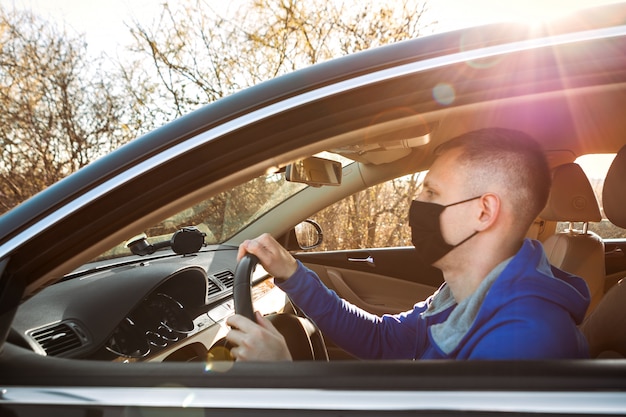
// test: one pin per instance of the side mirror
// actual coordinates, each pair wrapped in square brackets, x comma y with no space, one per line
[314,171]
[306,235]
[309,234]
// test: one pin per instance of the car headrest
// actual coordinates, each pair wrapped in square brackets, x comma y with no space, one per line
[571,197]
[614,191]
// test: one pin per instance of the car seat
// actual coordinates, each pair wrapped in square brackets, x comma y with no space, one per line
[605,328]
[579,252]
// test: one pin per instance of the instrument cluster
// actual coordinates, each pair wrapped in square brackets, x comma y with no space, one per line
[157,323]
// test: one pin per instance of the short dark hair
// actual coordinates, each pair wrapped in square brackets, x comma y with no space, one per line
[510,158]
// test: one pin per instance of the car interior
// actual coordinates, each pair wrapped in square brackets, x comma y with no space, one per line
[171,309]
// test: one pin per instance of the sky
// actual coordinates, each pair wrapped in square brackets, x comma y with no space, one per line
[103,22]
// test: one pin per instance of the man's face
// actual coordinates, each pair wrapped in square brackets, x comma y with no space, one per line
[445,184]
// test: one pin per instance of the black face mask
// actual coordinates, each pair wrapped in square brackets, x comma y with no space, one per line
[426,230]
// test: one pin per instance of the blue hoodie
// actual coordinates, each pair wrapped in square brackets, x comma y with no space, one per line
[524,309]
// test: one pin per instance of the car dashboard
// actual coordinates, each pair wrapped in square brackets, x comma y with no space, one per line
[162,308]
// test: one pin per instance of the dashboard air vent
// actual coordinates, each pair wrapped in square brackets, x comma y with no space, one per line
[227,278]
[213,288]
[59,338]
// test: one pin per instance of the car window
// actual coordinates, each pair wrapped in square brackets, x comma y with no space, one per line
[377,216]
[373,218]
[224,214]
[227,213]
[595,167]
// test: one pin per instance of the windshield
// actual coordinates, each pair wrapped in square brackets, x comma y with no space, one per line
[224,214]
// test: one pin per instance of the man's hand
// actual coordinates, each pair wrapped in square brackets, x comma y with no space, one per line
[256,342]
[276,260]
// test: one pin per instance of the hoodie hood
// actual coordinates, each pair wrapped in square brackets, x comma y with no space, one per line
[530,274]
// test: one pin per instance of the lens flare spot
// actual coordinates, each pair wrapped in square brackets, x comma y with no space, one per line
[218,360]
[476,40]
[444,94]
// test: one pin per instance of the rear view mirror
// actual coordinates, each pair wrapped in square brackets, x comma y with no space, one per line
[314,171]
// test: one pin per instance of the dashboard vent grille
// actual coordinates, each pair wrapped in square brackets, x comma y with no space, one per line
[57,339]
[213,288]
[227,278]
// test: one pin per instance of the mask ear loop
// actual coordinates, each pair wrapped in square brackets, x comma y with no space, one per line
[466,239]
[476,231]
[464,201]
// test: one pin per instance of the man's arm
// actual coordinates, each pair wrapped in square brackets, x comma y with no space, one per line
[359,332]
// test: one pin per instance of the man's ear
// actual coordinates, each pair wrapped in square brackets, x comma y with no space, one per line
[490,205]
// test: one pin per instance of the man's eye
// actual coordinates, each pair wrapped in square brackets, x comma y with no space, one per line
[427,194]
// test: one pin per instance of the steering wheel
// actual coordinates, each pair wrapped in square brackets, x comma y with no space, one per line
[304,340]
[242,290]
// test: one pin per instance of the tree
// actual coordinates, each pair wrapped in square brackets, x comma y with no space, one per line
[60,110]
[63,110]
[374,218]
[200,54]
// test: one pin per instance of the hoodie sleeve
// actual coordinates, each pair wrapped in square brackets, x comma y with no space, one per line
[360,333]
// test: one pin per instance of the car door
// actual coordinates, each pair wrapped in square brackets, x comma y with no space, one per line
[366,255]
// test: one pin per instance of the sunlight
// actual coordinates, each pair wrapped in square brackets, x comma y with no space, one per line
[537,11]
[595,165]
[455,14]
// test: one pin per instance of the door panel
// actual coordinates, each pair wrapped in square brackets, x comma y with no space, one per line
[380,281]
[377,294]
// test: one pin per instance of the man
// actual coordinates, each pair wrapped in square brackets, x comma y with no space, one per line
[501,298]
